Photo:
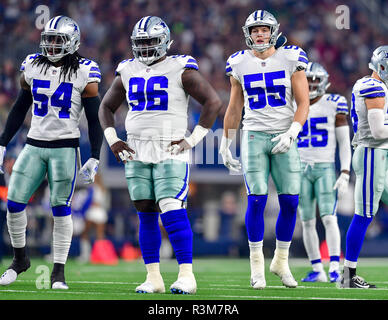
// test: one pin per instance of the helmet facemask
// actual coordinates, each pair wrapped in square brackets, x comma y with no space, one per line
[273,36]
[149,50]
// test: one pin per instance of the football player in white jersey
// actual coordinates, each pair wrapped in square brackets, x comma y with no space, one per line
[59,84]
[157,88]
[369,117]
[326,125]
[265,81]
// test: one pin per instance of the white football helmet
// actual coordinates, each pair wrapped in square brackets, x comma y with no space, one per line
[61,36]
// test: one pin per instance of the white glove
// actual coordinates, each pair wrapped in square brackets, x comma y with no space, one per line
[2,154]
[286,139]
[342,184]
[227,157]
[89,170]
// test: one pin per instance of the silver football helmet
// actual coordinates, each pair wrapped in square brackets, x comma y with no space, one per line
[61,36]
[150,39]
[261,18]
[318,79]
[379,63]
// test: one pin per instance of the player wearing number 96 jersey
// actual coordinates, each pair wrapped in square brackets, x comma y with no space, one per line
[60,85]
[326,125]
[264,81]
[156,153]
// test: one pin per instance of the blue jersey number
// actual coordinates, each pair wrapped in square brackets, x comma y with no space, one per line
[61,98]
[143,94]
[259,97]
[319,137]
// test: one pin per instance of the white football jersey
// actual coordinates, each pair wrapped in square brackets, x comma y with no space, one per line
[367,87]
[157,102]
[317,141]
[56,106]
[268,98]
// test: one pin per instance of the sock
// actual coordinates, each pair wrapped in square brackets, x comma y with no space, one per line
[179,232]
[333,240]
[317,265]
[256,257]
[17,223]
[254,217]
[282,249]
[62,236]
[311,241]
[150,238]
[285,223]
[355,238]
[185,270]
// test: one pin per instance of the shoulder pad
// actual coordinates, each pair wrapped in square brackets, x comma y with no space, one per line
[91,68]
[370,88]
[122,65]
[28,60]
[234,59]
[188,62]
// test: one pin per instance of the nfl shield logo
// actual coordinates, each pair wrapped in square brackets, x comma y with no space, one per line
[148,69]
[251,137]
[263,64]
[54,72]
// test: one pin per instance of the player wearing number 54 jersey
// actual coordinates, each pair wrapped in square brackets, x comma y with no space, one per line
[326,125]
[59,84]
[265,81]
[156,155]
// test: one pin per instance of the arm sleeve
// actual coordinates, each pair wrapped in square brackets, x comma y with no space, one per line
[345,154]
[96,134]
[376,123]
[16,116]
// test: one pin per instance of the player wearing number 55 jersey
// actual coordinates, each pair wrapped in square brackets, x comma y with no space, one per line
[370,142]
[156,155]
[326,125]
[265,81]
[59,84]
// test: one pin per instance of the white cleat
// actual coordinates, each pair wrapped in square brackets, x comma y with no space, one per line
[258,281]
[184,285]
[282,270]
[149,287]
[59,285]
[8,277]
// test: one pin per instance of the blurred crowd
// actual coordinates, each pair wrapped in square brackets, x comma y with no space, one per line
[210,31]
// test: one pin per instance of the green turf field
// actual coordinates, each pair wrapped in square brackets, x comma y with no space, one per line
[217,279]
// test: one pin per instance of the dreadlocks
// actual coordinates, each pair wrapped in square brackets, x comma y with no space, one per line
[70,64]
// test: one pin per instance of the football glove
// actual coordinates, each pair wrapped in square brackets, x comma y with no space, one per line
[227,157]
[286,139]
[2,154]
[89,170]
[342,184]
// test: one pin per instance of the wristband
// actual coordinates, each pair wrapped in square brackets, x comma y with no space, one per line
[111,136]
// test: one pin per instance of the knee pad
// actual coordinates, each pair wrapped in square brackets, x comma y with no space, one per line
[329,220]
[170,204]
[145,206]
[309,224]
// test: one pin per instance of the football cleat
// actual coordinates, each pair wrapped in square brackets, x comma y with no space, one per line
[258,281]
[149,287]
[8,277]
[13,271]
[281,269]
[355,282]
[59,285]
[334,276]
[184,285]
[315,276]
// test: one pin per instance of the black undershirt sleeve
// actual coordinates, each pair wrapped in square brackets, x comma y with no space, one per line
[96,134]
[16,116]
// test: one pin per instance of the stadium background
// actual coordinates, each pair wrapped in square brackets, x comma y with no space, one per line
[210,31]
